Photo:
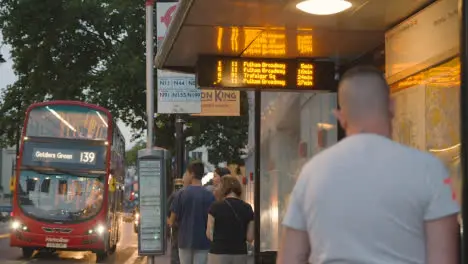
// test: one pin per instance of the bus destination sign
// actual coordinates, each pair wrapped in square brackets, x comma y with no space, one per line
[265,74]
[64,156]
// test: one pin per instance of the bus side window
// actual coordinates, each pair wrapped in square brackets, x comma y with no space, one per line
[45,185]
[30,185]
[63,186]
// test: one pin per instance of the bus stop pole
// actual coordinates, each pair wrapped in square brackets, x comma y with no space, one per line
[463,15]
[180,146]
[149,72]
[149,81]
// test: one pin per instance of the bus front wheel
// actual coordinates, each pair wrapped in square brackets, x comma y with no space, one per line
[101,255]
[113,249]
[27,252]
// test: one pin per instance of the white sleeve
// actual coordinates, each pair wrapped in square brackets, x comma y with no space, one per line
[295,216]
[440,202]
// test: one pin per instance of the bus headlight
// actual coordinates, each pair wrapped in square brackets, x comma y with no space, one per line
[15,224]
[100,229]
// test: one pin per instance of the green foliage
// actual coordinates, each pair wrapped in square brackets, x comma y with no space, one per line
[225,137]
[93,51]
[131,155]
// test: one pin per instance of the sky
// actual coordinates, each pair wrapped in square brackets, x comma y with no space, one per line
[7,76]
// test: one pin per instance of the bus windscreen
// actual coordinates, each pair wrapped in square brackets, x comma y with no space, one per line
[67,121]
[60,197]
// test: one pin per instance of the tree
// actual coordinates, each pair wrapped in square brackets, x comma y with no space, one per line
[93,51]
[225,137]
[131,155]
[2,60]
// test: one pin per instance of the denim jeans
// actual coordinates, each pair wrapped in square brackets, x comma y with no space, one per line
[191,256]
[227,259]
[175,253]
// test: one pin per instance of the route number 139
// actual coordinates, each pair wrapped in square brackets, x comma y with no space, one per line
[87,157]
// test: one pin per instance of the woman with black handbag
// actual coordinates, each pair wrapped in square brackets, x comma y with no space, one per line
[230,225]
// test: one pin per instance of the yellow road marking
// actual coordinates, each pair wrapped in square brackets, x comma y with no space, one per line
[4,236]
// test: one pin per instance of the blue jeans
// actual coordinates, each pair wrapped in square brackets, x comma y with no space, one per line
[174,253]
[191,256]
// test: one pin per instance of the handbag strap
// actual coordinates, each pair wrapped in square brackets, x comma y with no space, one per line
[234,211]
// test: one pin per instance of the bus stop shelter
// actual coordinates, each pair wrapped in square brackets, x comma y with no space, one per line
[277,29]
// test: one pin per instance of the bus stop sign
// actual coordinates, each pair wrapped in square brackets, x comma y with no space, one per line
[152,174]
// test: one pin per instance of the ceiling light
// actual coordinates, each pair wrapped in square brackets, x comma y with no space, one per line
[323,7]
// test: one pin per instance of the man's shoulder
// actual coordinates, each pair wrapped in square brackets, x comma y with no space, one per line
[368,142]
[178,192]
[371,147]
[198,191]
[204,190]
[408,154]
[208,194]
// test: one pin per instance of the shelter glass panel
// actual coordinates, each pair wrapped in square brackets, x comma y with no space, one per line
[295,126]
[427,115]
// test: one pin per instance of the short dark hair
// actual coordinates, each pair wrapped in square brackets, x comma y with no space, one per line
[222,171]
[365,70]
[230,184]
[197,168]
[370,93]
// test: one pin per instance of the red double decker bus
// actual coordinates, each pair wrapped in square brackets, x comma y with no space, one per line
[69,180]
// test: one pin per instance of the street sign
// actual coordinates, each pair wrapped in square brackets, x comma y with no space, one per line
[152,175]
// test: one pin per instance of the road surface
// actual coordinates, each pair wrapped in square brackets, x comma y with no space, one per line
[127,252]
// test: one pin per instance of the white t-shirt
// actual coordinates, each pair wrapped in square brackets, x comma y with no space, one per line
[365,200]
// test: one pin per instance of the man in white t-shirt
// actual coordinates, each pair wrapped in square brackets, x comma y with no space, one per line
[368,199]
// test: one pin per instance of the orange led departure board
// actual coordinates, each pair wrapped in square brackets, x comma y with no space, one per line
[270,74]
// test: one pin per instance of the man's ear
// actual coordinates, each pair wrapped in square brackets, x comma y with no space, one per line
[340,117]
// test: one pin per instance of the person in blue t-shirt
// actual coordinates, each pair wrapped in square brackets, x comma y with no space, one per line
[180,184]
[189,210]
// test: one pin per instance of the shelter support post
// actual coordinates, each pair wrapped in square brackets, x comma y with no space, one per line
[463,13]
[257,139]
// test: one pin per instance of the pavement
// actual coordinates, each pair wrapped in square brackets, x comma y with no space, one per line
[127,252]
